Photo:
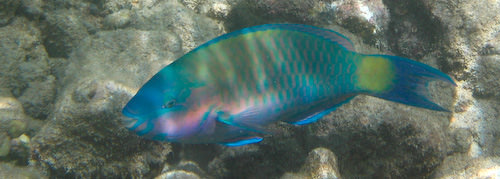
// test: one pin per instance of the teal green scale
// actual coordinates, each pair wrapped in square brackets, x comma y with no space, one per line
[285,71]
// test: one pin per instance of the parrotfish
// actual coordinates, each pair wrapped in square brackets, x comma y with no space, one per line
[232,88]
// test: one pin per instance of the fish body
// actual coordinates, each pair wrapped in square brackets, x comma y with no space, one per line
[231,88]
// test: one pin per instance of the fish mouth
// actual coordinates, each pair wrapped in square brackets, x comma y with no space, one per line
[131,119]
[129,122]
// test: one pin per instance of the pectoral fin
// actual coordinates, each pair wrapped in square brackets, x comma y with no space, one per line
[245,120]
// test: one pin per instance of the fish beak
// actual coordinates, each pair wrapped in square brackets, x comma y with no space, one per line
[131,118]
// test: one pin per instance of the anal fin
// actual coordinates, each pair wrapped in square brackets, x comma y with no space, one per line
[318,115]
[313,118]
[241,141]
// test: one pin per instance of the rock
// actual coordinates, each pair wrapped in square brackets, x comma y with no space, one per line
[32,8]
[371,140]
[24,70]
[11,114]
[12,171]
[367,19]
[191,4]
[16,128]
[192,28]
[7,10]
[188,166]
[4,145]
[39,98]
[184,169]
[488,70]
[85,136]
[283,152]
[118,19]
[20,150]
[63,31]
[321,163]
[66,26]
[66,23]
[245,13]
[231,162]
[178,174]
[470,51]
[413,31]
[462,166]
[132,56]
[13,121]
[218,9]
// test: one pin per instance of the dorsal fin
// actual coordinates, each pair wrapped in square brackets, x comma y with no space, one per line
[326,34]
[316,31]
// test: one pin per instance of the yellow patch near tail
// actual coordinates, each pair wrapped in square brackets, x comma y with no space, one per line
[375,74]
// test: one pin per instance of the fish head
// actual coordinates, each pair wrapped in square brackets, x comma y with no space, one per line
[164,108]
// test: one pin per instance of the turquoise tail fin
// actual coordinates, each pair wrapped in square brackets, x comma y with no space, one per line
[398,79]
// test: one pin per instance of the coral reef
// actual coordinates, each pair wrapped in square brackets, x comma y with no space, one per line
[68,67]
[85,137]
[25,69]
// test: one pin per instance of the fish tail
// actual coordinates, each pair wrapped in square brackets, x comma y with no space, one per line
[398,79]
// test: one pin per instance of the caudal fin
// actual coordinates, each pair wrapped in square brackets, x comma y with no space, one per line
[398,79]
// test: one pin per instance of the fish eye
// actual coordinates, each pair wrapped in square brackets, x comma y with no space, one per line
[168,104]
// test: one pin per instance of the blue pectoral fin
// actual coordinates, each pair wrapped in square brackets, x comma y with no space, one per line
[241,141]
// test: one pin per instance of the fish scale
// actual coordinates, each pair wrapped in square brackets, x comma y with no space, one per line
[231,88]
